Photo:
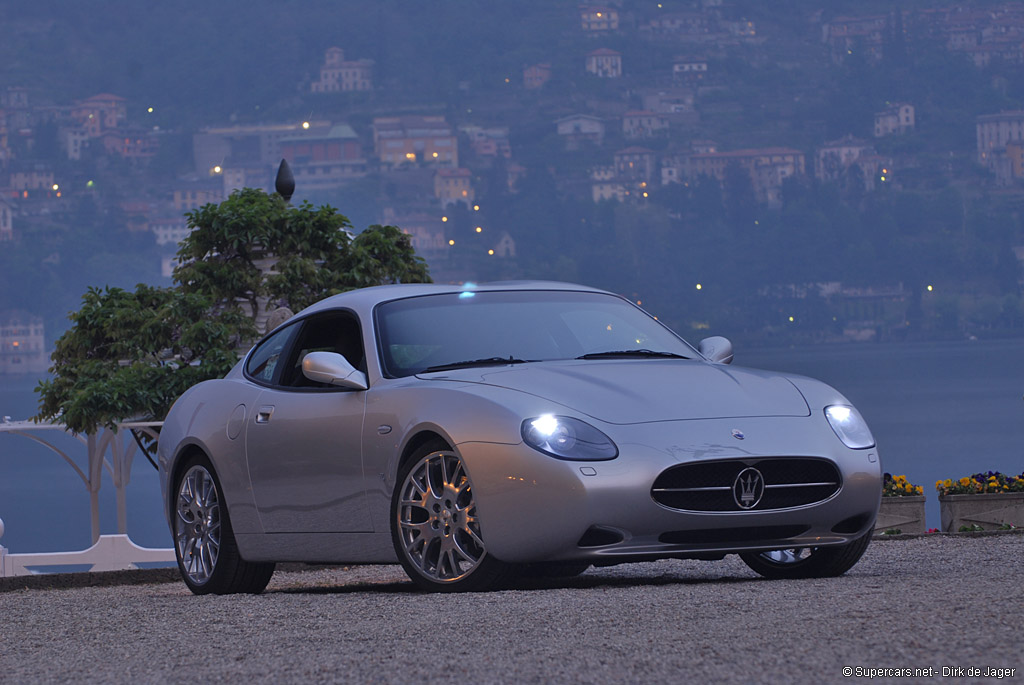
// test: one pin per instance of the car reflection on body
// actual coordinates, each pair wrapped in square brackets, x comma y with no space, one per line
[478,433]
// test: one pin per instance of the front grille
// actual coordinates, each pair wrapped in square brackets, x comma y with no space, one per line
[749,534]
[708,486]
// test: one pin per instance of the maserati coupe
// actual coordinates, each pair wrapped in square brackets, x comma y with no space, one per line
[477,434]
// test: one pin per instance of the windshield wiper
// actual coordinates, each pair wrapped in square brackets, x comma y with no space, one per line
[632,353]
[488,361]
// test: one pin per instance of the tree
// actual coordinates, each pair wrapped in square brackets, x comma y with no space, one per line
[130,354]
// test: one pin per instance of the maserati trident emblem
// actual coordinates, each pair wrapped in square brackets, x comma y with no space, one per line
[738,434]
[748,488]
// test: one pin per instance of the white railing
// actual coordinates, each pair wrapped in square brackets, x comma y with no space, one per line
[108,552]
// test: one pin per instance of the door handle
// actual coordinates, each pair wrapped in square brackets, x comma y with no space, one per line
[264,413]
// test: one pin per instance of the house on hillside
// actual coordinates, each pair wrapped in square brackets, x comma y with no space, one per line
[100,113]
[536,75]
[6,221]
[452,186]
[576,129]
[338,75]
[598,19]
[22,344]
[412,139]
[896,118]
[643,124]
[326,159]
[604,63]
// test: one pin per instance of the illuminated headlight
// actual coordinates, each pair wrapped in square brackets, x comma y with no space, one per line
[564,437]
[849,426]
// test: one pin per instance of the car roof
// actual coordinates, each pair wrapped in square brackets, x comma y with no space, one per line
[366,298]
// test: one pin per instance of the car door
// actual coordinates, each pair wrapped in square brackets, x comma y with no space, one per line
[303,441]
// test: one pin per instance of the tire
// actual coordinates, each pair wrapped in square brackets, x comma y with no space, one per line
[434,526]
[807,562]
[204,543]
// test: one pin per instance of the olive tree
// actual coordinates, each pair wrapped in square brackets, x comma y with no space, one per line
[129,354]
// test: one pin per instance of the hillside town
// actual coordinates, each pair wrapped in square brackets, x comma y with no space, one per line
[650,107]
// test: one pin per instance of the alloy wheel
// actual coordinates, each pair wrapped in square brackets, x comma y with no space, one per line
[197,524]
[438,527]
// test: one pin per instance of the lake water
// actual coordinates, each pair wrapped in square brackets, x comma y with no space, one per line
[937,410]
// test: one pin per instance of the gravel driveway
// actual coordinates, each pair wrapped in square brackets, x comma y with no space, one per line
[952,601]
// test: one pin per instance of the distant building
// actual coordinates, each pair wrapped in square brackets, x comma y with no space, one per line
[169,229]
[488,142]
[846,34]
[579,128]
[326,159]
[643,124]
[635,164]
[72,140]
[599,19]
[338,75]
[189,195]
[414,139]
[22,344]
[425,230]
[536,75]
[996,134]
[768,168]
[6,221]
[132,145]
[689,70]
[31,177]
[452,186]
[835,157]
[245,146]
[604,63]
[100,113]
[677,25]
[505,247]
[897,118]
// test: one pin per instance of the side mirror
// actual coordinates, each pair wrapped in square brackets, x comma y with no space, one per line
[717,349]
[332,368]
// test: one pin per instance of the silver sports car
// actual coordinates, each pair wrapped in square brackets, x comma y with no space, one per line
[479,433]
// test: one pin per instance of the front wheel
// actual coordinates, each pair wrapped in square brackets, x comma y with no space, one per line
[807,562]
[435,528]
[204,543]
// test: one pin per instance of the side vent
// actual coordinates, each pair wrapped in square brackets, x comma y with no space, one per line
[599,536]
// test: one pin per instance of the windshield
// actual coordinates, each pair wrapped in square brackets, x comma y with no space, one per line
[495,327]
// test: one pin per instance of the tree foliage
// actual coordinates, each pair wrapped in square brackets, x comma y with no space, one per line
[129,354]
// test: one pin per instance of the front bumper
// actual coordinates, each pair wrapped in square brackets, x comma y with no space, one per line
[536,508]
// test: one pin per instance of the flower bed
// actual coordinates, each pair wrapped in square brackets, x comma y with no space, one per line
[982,501]
[902,507]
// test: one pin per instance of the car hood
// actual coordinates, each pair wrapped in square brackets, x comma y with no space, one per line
[639,391]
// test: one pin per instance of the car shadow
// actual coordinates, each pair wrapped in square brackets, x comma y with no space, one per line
[584,582]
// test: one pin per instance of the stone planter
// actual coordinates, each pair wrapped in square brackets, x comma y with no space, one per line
[990,510]
[903,513]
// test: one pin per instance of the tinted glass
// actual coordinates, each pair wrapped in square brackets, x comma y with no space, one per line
[263,361]
[334,331]
[421,332]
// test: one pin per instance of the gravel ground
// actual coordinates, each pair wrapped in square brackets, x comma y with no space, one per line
[952,601]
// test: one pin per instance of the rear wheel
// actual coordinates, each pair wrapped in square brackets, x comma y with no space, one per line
[808,562]
[204,543]
[435,528]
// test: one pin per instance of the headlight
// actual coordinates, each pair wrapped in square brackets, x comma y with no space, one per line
[564,437]
[849,426]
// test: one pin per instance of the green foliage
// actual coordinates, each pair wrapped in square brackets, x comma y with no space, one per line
[130,354]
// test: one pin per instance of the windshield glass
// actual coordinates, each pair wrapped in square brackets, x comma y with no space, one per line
[485,327]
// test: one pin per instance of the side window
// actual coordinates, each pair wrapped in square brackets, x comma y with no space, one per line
[335,331]
[263,362]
